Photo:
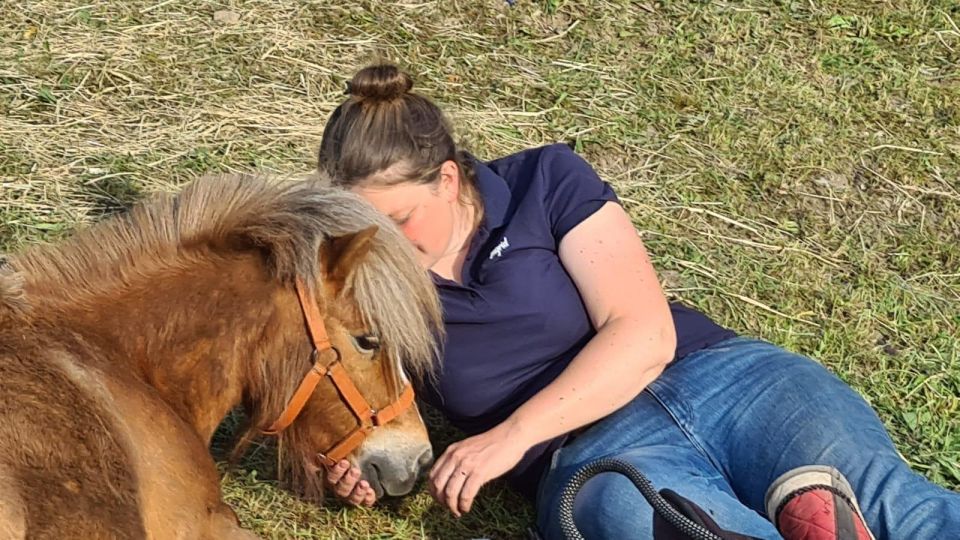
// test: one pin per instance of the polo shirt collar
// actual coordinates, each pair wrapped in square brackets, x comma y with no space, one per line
[495,195]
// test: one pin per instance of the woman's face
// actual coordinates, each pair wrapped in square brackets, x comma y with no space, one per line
[427,214]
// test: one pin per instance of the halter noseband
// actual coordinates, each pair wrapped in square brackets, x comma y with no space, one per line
[326,363]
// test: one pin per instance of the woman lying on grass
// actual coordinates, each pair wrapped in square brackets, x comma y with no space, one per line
[561,349]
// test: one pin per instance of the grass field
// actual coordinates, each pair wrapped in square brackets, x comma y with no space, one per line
[794,166]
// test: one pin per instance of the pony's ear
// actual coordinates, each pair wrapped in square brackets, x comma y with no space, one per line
[341,254]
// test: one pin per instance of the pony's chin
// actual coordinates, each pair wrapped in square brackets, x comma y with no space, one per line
[383,485]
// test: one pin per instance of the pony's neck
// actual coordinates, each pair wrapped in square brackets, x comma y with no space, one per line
[195,334]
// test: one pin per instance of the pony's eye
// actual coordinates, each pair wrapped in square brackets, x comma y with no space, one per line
[367,343]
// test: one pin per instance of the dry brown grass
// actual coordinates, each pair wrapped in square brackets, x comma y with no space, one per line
[795,167]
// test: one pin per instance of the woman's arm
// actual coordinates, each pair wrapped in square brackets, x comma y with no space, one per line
[634,342]
[635,334]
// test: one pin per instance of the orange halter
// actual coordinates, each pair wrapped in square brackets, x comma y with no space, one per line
[367,418]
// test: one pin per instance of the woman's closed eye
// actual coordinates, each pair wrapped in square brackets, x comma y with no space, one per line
[400,219]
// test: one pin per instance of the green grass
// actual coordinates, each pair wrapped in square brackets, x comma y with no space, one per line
[794,166]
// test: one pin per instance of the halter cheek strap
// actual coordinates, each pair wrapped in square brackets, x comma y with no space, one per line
[324,366]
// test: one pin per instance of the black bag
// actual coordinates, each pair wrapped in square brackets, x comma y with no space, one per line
[674,517]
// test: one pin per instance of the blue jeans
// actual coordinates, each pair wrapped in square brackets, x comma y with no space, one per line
[719,426]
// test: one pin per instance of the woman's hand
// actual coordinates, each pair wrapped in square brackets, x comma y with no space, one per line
[467,465]
[346,484]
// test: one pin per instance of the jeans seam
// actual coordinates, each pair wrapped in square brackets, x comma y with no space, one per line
[547,473]
[687,432]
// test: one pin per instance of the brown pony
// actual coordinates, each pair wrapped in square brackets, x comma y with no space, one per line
[123,348]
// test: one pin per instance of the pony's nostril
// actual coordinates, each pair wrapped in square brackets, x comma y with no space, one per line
[425,459]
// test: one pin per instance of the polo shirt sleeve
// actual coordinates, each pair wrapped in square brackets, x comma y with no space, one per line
[573,190]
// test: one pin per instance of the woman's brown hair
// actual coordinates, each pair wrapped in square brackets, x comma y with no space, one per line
[384,135]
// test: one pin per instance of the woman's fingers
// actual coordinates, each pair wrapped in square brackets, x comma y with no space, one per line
[335,473]
[449,475]
[348,486]
[348,483]
[363,494]
[441,472]
[452,489]
[359,493]
[344,479]
[371,496]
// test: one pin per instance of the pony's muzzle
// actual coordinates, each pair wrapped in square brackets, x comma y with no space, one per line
[395,472]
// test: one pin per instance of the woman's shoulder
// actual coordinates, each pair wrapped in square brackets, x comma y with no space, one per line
[552,181]
[534,155]
[546,164]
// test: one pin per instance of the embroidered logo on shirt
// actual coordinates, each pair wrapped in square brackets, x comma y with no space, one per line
[498,251]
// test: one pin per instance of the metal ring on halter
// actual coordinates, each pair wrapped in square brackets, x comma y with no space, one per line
[337,358]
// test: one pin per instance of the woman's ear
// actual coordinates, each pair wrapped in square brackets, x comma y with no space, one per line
[450,180]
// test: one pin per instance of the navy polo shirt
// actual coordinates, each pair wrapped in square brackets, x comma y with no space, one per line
[518,320]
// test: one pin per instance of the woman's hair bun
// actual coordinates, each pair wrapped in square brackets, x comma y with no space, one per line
[384,82]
